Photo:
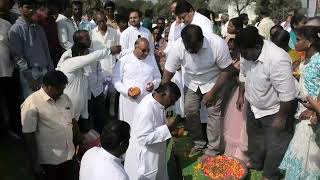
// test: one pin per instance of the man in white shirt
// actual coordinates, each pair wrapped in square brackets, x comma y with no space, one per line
[74,63]
[100,79]
[265,24]
[269,87]
[146,155]
[207,62]
[188,15]
[133,32]
[105,162]
[137,69]
[66,28]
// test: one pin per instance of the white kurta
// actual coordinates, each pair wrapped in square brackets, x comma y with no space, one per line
[98,164]
[77,87]
[130,35]
[146,155]
[132,72]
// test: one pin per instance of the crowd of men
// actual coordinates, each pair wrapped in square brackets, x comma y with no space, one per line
[115,73]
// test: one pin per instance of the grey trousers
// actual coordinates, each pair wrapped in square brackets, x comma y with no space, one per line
[267,145]
[193,124]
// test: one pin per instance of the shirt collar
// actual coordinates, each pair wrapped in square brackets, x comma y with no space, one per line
[110,156]
[44,95]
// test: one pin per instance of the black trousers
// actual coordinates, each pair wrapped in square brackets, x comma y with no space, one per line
[68,170]
[98,112]
[267,145]
[10,100]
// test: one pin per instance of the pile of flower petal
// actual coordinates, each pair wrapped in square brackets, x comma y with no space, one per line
[223,167]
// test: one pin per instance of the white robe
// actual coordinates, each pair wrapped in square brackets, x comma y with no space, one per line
[146,155]
[132,72]
[77,87]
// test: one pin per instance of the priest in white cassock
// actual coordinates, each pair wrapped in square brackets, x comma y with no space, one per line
[137,69]
[133,32]
[146,156]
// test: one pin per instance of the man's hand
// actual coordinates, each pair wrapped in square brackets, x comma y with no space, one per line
[171,123]
[240,103]
[307,114]
[208,99]
[314,104]
[150,86]
[115,49]
[131,94]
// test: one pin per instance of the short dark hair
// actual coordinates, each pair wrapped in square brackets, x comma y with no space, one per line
[161,18]
[25,2]
[109,4]
[265,12]
[77,3]
[54,78]
[191,34]
[137,11]
[248,37]
[237,23]
[281,38]
[170,87]
[296,19]
[183,6]
[114,133]
[148,13]
[243,16]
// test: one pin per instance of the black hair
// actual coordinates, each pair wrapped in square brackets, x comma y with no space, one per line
[281,38]
[296,19]
[77,48]
[161,18]
[248,37]
[25,2]
[109,4]
[113,134]
[148,13]
[77,3]
[137,11]
[237,23]
[92,12]
[310,33]
[205,12]
[243,17]
[54,78]
[169,87]
[183,6]
[265,12]
[191,34]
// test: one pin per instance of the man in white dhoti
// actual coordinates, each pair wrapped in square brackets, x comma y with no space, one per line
[102,163]
[146,155]
[133,32]
[73,64]
[138,69]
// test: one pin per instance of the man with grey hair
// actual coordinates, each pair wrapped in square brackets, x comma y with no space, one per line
[224,24]
[135,75]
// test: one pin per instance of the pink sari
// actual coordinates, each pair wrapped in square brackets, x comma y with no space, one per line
[235,132]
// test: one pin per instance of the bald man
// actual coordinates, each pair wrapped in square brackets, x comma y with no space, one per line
[135,70]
